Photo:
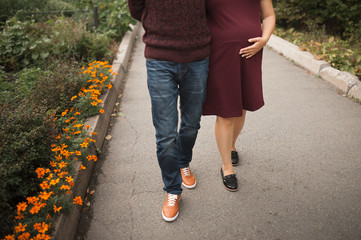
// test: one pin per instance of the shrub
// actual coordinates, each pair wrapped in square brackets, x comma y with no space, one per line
[339,17]
[25,134]
[27,43]
[114,17]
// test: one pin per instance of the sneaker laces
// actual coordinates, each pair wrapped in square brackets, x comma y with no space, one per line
[186,171]
[172,199]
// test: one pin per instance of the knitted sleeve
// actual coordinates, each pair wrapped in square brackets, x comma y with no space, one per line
[136,8]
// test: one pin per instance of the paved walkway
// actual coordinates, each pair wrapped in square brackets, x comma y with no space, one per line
[300,176]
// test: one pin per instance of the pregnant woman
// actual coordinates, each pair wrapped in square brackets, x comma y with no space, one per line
[235,77]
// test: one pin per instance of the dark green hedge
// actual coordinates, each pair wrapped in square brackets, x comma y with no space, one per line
[338,17]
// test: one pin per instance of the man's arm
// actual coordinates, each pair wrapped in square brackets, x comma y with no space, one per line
[136,8]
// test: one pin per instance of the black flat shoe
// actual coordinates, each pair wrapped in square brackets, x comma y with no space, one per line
[230,182]
[235,158]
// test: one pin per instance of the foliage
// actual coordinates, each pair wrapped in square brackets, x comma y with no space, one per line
[339,17]
[27,43]
[25,134]
[45,148]
[343,55]
[33,9]
[114,17]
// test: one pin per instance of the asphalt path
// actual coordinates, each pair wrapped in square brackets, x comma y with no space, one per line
[300,172]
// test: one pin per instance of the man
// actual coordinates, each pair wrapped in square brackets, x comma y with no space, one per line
[177,47]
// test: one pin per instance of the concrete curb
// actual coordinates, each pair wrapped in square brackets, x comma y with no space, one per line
[66,225]
[343,81]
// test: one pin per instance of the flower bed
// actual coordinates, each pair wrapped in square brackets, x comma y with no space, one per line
[35,216]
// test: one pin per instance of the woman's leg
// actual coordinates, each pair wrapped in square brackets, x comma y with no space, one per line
[237,128]
[223,130]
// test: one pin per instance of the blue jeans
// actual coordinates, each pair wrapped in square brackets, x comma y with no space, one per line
[167,80]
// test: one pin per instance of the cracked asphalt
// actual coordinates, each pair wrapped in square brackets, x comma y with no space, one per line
[300,172]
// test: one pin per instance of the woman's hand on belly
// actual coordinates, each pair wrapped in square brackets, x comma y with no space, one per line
[250,51]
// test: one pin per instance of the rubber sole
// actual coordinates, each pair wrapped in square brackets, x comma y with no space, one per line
[231,190]
[190,187]
[170,219]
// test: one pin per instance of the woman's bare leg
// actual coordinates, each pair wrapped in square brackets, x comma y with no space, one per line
[237,128]
[223,130]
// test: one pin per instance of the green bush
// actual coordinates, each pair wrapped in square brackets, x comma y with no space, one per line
[27,43]
[339,17]
[25,133]
[114,17]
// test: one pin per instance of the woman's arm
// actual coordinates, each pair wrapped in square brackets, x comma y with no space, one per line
[136,8]
[269,21]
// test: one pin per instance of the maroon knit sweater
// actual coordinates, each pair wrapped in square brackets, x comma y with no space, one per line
[175,30]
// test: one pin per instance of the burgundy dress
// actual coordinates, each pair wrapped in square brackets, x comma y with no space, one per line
[234,82]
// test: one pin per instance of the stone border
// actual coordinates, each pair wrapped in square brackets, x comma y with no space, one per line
[66,225]
[344,81]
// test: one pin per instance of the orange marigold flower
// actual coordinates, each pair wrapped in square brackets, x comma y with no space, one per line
[24,236]
[94,103]
[78,125]
[21,206]
[64,113]
[44,185]
[66,130]
[69,179]
[41,228]
[62,165]
[78,200]
[45,195]
[50,176]
[109,86]
[19,216]
[61,175]
[57,209]
[35,209]
[77,152]
[53,163]
[68,137]
[10,237]
[53,145]
[65,187]
[93,133]
[77,132]
[32,200]
[54,181]
[20,228]
[68,192]
[84,144]
[40,172]
[58,158]
[77,113]
[92,157]
[73,98]
[58,137]
[48,216]
[87,126]
[101,110]
[82,167]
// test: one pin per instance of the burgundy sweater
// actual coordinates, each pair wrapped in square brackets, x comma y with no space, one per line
[175,30]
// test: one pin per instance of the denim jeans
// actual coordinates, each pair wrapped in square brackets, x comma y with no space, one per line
[167,80]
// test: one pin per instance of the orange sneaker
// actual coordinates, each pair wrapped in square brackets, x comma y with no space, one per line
[170,209]
[188,179]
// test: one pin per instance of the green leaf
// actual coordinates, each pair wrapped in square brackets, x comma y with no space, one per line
[44,55]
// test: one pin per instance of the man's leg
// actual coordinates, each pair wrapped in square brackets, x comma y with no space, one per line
[192,90]
[163,90]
